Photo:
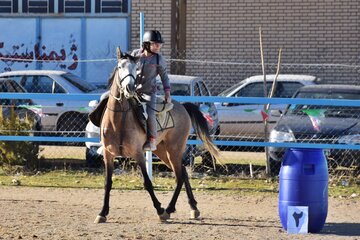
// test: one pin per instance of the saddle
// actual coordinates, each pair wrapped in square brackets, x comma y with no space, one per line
[163,115]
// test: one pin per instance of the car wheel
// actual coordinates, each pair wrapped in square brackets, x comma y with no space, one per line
[93,159]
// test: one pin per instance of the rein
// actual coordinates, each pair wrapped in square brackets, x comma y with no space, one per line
[121,91]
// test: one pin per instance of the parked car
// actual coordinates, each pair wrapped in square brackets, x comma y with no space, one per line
[22,108]
[57,115]
[242,121]
[181,86]
[320,124]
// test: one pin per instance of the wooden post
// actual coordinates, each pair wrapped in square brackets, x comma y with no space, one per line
[265,95]
[178,35]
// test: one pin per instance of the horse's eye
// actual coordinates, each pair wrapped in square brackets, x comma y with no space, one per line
[121,65]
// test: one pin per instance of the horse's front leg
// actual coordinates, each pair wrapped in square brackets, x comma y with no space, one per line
[109,168]
[149,187]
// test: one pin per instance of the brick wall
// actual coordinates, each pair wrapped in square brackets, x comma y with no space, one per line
[157,16]
[219,32]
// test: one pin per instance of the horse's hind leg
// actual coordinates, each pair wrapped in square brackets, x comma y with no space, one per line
[109,168]
[181,177]
[179,183]
[149,187]
[173,159]
[194,213]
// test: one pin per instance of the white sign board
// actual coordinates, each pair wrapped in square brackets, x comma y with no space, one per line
[297,219]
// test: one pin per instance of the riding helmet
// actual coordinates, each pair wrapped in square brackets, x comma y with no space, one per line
[153,36]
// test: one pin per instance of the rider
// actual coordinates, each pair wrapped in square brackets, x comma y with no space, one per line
[152,64]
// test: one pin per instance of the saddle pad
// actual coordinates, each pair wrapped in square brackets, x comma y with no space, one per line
[163,117]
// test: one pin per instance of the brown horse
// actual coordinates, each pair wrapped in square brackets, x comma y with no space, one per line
[122,135]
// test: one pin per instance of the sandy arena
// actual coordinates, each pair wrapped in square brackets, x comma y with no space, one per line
[57,213]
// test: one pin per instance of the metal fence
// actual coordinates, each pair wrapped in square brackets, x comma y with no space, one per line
[242,143]
[241,156]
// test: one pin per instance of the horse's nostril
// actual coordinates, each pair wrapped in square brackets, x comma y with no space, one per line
[130,88]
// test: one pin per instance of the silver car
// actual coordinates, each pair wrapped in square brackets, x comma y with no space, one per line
[57,115]
[241,121]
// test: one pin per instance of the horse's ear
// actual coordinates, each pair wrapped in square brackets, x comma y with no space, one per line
[118,53]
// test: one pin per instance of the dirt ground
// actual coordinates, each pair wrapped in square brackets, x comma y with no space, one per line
[57,213]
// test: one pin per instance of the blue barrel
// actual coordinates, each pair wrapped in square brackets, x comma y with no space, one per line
[304,182]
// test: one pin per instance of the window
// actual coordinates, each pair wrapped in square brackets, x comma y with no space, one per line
[8,6]
[253,90]
[37,84]
[74,6]
[287,89]
[12,86]
[204,90]
[197,91]
[58,88]
[63,6]
[79,83]
[38,6]
[180,89]
[111,6]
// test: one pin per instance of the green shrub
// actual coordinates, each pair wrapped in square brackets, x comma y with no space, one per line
[14,153]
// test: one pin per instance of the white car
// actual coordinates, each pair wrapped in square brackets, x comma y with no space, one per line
[241,121]
[57,115]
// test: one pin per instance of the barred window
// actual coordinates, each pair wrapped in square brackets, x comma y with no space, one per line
[63,6]
[111,6]
[8,6]
[38,6]
[74,6]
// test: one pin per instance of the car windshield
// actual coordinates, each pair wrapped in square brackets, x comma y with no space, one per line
[178,89]
[229,90]
[84,86]
[325,110]
[329,95]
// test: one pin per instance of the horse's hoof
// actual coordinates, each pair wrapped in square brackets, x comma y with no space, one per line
[164,216]
[194,214]
[100,219]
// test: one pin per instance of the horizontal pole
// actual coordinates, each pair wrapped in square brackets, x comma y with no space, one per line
[243,100]
[193,142]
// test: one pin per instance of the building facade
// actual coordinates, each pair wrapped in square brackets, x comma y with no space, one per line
[218,40]
[222,37]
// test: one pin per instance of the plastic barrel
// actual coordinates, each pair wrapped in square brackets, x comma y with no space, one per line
[304,182]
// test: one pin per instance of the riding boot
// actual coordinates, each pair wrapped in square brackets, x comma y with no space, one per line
[150,144]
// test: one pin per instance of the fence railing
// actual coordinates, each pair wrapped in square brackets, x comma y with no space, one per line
[227,143]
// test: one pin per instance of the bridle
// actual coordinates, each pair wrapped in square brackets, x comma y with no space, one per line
[127,91]
[122,91]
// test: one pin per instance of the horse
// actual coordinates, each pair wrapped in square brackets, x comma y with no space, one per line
[122,135]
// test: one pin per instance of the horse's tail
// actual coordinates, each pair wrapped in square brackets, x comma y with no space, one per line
[201,128]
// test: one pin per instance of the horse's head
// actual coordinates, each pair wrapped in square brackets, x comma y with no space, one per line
[126,73]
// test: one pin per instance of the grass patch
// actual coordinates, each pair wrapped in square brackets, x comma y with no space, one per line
[161,182]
